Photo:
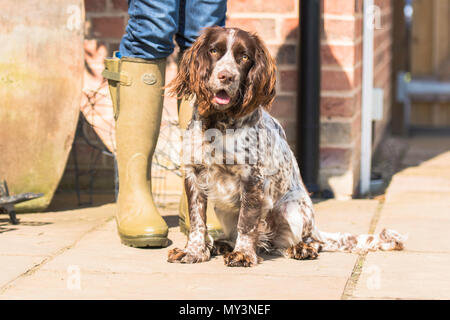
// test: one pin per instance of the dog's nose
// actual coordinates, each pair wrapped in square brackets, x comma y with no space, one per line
[225,76]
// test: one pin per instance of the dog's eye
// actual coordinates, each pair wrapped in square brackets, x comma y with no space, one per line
[213,51]
[245,57]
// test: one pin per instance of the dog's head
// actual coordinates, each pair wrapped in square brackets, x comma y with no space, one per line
[228,70]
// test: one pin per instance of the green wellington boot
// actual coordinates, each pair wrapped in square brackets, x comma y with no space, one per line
[212,223]
[136,87]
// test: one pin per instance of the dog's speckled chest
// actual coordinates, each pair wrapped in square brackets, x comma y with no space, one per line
[232,152]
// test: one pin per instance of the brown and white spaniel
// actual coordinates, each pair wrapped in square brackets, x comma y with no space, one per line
[236,154]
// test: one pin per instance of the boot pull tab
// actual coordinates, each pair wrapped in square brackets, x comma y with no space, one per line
[115,79]
[112,71]
[122,77]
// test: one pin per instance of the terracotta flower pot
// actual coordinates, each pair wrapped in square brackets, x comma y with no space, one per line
[41,75]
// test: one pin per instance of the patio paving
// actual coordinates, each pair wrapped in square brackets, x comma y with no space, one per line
[76,254]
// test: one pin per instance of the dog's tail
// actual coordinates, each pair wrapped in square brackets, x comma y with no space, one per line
[386,240]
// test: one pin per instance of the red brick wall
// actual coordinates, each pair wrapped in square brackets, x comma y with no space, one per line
[275,21]
[341,55]
[106,21]
[341,89]
[341,52]
[277,24]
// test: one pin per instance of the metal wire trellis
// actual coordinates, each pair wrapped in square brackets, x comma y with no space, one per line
[97,116]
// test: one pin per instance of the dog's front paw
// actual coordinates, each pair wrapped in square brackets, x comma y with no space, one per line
[187,256]
[240,259]
[175,255]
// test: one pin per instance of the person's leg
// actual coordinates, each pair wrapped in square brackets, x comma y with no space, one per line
[137,86]
[150,30]
[194,16]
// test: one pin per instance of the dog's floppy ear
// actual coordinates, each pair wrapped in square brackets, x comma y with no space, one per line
[260,82]
[193,73]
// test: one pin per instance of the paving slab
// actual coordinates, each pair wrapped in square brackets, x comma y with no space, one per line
[405,275]
[417,203]
[426,221]
[174,286]
[417,183]
[41,236]
[13,266]
[109,270]
[45,233]
[101,251]
[77,254]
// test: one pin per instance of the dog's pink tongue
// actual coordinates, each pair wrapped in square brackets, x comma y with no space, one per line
[222,97]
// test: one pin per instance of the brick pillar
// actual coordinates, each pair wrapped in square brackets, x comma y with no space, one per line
[276,22]
[341,52]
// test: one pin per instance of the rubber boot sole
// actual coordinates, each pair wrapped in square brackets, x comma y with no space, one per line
[145,241]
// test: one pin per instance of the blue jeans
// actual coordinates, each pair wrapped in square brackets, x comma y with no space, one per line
[152,25]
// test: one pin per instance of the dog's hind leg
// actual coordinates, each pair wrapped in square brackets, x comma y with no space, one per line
[293,238]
